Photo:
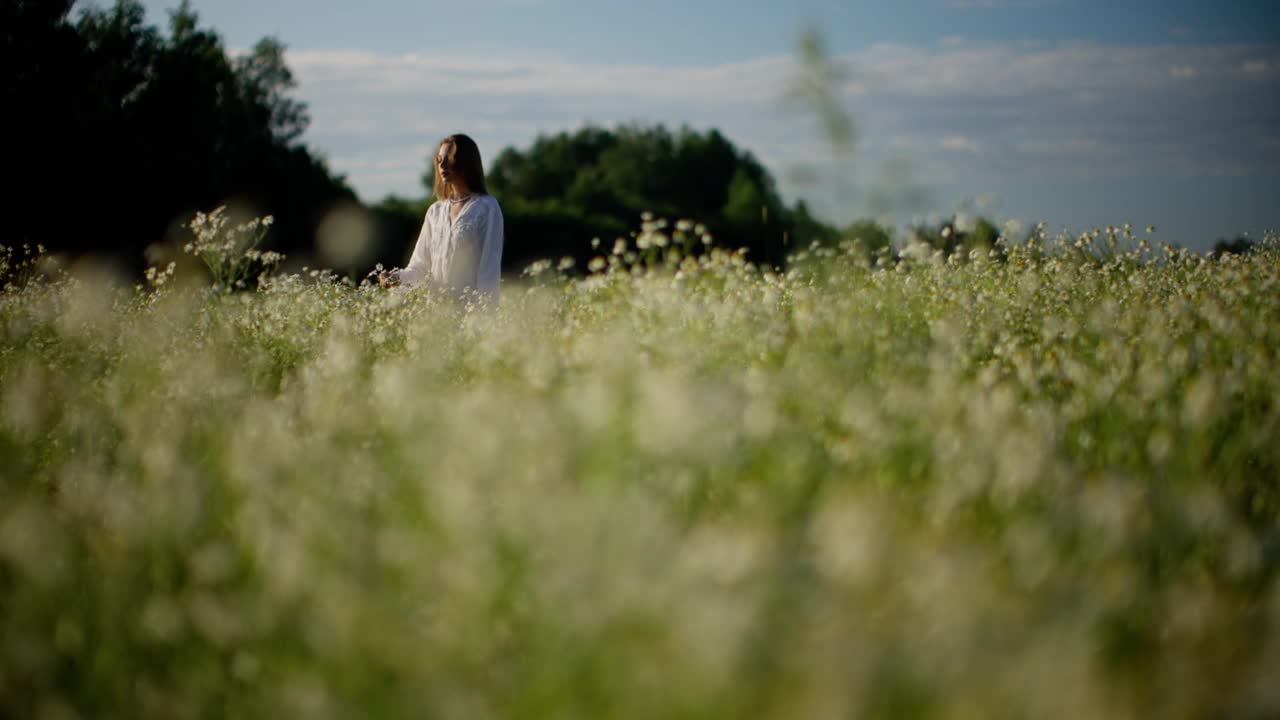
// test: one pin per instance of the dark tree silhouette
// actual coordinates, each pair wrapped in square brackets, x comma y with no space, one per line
[120,133]
[1240,245]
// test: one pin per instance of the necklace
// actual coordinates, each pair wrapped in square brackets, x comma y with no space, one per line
[462,199]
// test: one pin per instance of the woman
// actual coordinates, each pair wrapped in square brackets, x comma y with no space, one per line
[460,246]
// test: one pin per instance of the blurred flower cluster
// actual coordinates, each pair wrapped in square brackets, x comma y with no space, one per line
[18,269]
[1039,480]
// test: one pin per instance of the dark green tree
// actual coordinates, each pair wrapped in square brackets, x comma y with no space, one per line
[122,132]
[46,114]
[1240,245]
[874,239]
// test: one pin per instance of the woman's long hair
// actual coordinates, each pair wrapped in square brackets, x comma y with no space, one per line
[466,160]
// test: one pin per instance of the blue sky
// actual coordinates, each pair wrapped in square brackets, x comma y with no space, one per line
[1078,114]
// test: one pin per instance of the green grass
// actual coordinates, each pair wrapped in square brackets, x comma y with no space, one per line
[1041,487]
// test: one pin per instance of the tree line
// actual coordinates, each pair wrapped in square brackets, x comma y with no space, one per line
[594,184]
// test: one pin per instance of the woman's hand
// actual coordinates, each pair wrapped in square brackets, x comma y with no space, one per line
[388,279]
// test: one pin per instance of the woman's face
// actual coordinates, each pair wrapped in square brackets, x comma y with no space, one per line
[446,163]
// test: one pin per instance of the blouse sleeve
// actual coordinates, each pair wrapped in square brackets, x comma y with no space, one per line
[489,269]
[420,263]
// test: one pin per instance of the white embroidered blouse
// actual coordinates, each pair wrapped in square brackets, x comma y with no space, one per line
[458,254]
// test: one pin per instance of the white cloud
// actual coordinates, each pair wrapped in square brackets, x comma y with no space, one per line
[959,143]
[1013,71]
[1259,67]
[1011,111]
[451,76]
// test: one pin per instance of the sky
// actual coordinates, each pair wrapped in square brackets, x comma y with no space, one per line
[1073,113]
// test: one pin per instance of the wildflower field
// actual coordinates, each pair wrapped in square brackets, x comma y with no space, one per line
[1040,482]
